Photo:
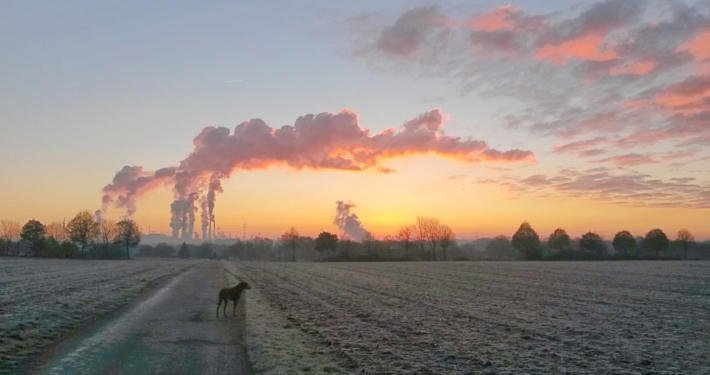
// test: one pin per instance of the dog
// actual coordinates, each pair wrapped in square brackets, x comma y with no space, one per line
[233,294]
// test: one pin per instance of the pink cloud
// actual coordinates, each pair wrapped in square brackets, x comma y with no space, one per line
[686,95]
[633,189]
[637,68]
[586,47]
[699,47]
[319,142]
[580,146]
[680,154]
[617,72]
[501,18]
[629,160]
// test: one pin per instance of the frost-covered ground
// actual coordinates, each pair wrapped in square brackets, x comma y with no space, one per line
[479,317]
[41,299]
[273,345]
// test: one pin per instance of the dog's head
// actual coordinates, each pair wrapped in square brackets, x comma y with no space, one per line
[245,285]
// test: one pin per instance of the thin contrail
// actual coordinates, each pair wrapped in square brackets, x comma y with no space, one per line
[234,81]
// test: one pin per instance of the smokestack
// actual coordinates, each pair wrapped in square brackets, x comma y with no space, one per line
[204,217]
[214,228]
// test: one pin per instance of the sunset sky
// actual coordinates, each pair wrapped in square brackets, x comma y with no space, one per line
[584,115]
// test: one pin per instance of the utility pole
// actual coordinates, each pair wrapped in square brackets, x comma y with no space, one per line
[244,234]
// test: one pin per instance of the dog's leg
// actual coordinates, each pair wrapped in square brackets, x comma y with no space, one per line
[234,310]
[218,305]
[226,302]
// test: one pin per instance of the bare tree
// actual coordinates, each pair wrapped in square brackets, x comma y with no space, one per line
[290,238]
[432,227]
[10,230]
[685,239]
[446,238]
[405,236]
[421,234]
[107,233]
[55,231]
[367,240]
[387,243]
[347,247]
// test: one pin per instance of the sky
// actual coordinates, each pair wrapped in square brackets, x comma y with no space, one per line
[581,115]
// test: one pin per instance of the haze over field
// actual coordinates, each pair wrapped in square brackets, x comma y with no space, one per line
[587,115]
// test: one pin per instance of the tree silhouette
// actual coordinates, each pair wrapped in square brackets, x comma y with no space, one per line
[685,239]
[205,251]
[446,238]
[405,236]
[10,230]
[33,232]
[420,234]
[107,234]
[367,241]
[127,235]
[592,243]
[184,251]
[290,238]
[624,243]
[559,240]
[55,231]
[500,248]
[82,229]
[326,242]
[656,240]
[527,242]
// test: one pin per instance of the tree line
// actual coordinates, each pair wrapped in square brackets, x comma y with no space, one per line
[591,246]
[82,236]
[425,239]
[429,240]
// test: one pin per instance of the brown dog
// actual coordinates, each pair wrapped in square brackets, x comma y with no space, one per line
[233,294]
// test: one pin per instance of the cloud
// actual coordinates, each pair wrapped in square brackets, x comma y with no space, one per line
[629,160]
[681,154]
[456,177]
[410,31]
[633,189]
[627,70]
[320,142]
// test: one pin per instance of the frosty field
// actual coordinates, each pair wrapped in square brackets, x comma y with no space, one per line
[479,317]
[40,299]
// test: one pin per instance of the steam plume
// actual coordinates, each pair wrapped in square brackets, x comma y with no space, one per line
[322,141]
[349,224]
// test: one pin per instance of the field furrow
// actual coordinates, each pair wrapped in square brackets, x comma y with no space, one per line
[510,317]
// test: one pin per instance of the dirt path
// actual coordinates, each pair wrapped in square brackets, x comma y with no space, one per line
[172,330]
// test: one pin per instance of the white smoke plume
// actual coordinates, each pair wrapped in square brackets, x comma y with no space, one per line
[349,224]
[322,141]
